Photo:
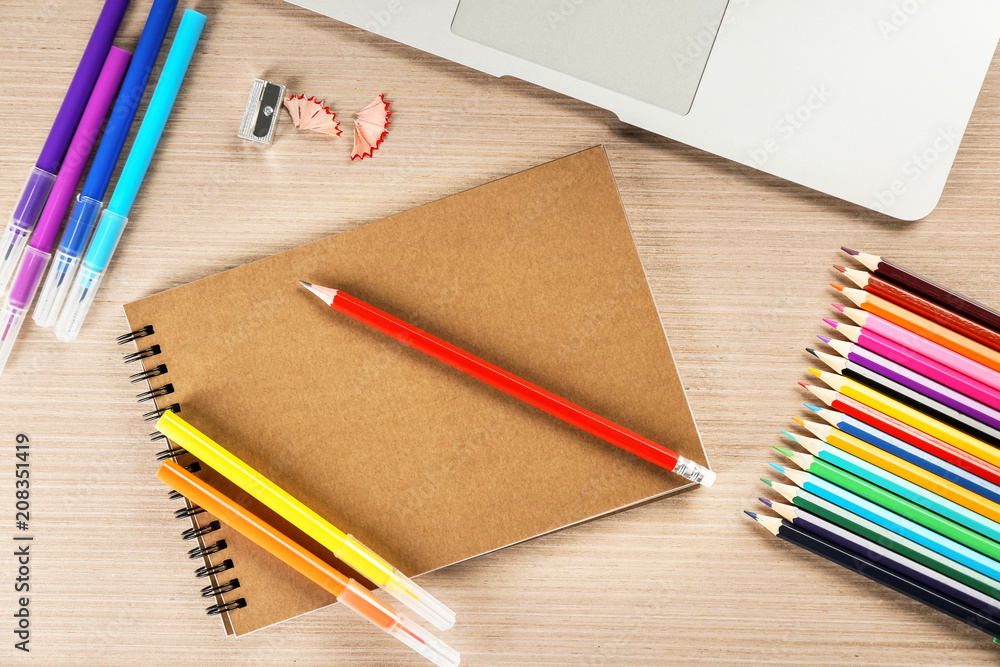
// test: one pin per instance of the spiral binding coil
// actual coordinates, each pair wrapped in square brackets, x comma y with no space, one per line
[195,532]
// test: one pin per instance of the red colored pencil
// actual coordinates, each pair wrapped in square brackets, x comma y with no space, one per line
[906,433]
[921,306]
[513,385]
[928,289]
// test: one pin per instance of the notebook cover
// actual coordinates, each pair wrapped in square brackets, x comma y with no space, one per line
[537,273]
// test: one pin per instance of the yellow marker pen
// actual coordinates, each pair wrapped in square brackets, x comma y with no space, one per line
[344,546]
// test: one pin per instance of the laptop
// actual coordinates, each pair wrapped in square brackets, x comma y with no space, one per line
[865,100]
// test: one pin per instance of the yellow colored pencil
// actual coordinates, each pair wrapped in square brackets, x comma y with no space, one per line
[908,415]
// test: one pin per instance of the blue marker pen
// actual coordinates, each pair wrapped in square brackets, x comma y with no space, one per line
[115,216]
[88,205]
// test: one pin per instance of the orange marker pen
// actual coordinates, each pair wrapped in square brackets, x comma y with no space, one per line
[347,591]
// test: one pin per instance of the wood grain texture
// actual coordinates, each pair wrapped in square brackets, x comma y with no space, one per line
[738,262]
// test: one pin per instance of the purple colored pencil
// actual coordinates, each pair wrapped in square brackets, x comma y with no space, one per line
[919,383]
[888,558]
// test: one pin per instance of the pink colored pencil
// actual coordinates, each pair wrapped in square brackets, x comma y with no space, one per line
[927,367]
[921,345]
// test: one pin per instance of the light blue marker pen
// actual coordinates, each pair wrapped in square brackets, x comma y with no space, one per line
[88,204]
[115,216]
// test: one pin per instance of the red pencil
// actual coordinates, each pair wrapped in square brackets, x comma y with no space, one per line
[921,306]
[513,385]
[928,289]
[906,433]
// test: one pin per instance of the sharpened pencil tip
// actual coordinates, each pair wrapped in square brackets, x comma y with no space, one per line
[780,468]
[767,503]
[838,306]
[752,515]
[804,385]
[788,435]
[840,268]
[811,351]
[852,253]
[832,323]
[305,284]
[798,421]
[787,452]
[813,407]
[839,288]
[816,372]
[825,339]
[767,481]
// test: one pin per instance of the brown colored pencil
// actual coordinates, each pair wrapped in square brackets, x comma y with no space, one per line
[921,306]
[928,289]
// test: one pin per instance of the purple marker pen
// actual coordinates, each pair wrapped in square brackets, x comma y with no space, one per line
[43,174]
[36,257]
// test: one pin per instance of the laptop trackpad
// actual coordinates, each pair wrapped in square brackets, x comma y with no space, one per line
[652,50]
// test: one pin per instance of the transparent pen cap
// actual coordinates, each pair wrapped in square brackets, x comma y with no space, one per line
[61,272]
[425,643]
[11,319]
[78,302]
[55,288]
[22,222]
[377,570]
[360,600]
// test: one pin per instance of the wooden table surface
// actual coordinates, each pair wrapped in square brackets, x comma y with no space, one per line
[738,262]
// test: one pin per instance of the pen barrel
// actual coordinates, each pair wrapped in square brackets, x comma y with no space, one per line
[162,101]
[357,598]
[374,568]
[29,208]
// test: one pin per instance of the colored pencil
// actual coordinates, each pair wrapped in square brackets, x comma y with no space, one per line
[862,339]
[883,555]
[905,413]
[928,289]
[879,573]
[974,456]
[513,385]
[869,529]
[890,473]
[887,368]
[940,353]
[904,450]
[901,516]
[901,388]
[922,326]
[348,592]
[921,306]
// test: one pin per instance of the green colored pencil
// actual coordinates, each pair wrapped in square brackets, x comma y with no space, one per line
[980,553]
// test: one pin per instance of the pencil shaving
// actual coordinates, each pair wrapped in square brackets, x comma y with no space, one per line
[312,114]
[371,124]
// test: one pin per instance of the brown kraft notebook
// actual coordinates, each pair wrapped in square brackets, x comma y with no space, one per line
[537,273]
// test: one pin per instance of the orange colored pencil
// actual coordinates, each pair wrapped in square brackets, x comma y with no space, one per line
[347,591]
[921,326]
